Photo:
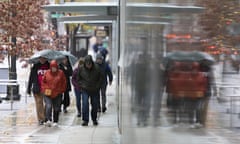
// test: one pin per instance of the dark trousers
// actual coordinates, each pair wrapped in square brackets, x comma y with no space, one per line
[65,99]
[85,105]
[53,105]
[102,99]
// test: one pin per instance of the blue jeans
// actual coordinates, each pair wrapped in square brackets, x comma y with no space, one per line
[85,105]
[53,105]
[78,94]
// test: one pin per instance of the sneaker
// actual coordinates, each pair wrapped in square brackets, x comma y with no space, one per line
[48,123]
[95,123]
[55,124]
[85,123]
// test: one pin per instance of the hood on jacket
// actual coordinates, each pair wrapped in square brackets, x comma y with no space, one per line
[53,66]
[88,60]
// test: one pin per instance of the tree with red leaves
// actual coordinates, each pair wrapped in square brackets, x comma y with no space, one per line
[219,20]
[23,29]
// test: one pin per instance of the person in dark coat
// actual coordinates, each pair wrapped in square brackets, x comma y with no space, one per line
[90,80]
[34,86]
[66,67]
[108,78]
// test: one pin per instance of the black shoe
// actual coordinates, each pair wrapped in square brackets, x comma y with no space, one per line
[65,110]
[85,123]
[79,115]
[104,109]
[99,110]
[95,123]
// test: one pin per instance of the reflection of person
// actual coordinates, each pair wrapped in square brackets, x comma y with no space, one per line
[53,85]
[90,79]
[34,84]
[66,67]
[206,67]
[77,88]
[142,99]
[108,77]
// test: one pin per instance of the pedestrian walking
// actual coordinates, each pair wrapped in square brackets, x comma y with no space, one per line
[66,67]
[142,96]
[90,80]
[77,88]
[108,78]
[53,85]
[201,116]
[34,86]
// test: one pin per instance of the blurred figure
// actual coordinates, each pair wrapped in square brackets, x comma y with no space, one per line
[104,52]
[108,78]
[156,87]
[211,91]
[34,85]
[53,85]
[142,98]
[90,80]
[66,67]
[77,88]
[97,45]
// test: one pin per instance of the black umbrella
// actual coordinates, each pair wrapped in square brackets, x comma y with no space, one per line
[197,56]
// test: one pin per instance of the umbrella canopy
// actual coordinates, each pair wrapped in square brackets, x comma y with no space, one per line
[46,53]
[189,56]
[72,59]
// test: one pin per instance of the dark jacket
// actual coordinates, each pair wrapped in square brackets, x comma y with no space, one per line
[33,82]
[90,80]
[107,73]
[68,71]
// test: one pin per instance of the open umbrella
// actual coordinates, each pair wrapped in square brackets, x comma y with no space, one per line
[72,59]
[192,56]
[189,56]
[46,53]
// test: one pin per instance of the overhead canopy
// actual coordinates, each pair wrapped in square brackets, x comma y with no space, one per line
[94,19]
[106,12]
[102,8]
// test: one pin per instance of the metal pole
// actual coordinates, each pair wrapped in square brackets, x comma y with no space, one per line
[231,111]
[11,98]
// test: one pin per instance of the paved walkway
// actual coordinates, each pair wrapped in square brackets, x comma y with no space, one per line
[18,124]
[21,126]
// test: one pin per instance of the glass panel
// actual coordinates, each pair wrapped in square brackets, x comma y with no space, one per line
[159,99]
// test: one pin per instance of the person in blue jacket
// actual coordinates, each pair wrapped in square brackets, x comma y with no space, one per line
[108,78]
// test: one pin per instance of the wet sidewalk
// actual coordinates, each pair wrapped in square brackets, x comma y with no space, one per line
[19,124]
[21,127]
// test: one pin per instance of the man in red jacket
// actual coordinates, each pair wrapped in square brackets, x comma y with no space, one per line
[53,85]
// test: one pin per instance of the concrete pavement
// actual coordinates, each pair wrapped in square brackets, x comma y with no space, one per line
[21,126]
[18,123]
